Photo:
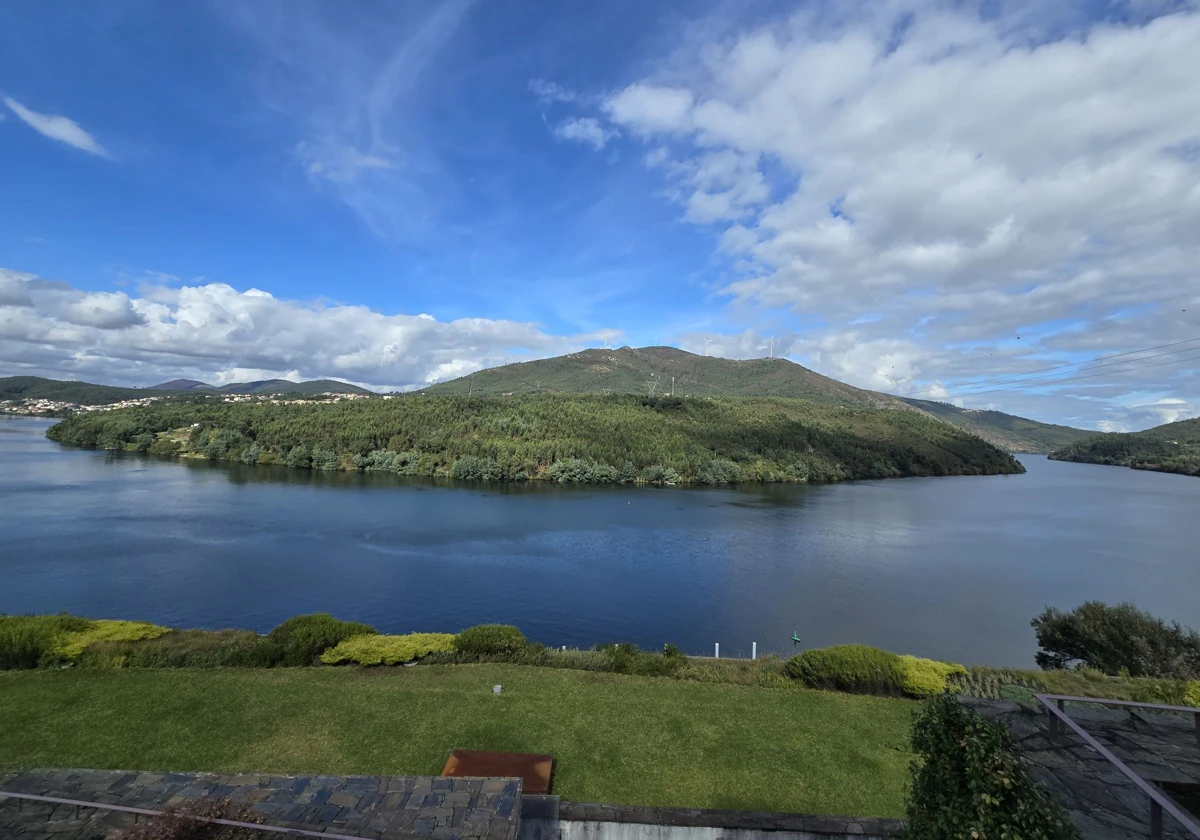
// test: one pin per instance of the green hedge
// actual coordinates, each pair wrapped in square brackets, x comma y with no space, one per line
[387,650]
[860,669]
[303,638]
[27,641]
[966,782]
[185,649]
[490,640]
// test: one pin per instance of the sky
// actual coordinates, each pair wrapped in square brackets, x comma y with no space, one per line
[995,204]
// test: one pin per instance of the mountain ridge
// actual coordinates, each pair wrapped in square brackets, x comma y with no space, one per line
[635,370]
[88,393]
[1171,447]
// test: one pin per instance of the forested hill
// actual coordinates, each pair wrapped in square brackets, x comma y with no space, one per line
[1174,447]
[586,438]
[264,386]
[635,371]
[80,393]
[1009,432]
[627,370]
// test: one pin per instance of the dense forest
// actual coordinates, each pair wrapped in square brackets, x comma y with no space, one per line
[1008,431]
[1174,448]
[583,438]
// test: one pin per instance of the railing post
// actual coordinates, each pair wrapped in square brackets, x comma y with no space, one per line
[1155,820]
[754,655]
[717,650]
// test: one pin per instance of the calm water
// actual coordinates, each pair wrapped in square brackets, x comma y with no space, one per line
[952,568]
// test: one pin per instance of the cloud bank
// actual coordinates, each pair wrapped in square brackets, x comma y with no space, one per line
[216,333]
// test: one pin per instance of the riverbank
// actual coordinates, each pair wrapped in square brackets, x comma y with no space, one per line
[618,439]
[616,739]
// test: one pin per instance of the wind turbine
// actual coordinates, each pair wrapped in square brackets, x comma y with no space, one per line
[771,341]
[605,337]
[707,341]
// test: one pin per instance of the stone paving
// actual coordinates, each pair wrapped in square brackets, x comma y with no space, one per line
[1104,804]
[381,807]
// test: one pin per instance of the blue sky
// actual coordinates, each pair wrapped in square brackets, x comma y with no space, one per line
[909,195]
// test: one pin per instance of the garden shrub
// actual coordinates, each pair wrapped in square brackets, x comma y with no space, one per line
[303,638]
[967,783]
[1119,639]
[626,658]
[387,650]
[854,668]
[185,649]
[926,677]
[71,644]
[23,643]
[1191,693]
[490,640]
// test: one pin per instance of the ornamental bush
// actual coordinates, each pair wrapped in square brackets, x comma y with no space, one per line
[303,638]
[490,640]
[854,668]
[966,782]
[927,677]
[388,650]
[71,644]
[626,658]
[29,640]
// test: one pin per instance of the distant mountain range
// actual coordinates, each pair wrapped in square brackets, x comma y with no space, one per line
[1008,431]
[1174,447]
[666,369]
[85,393]
[264,386]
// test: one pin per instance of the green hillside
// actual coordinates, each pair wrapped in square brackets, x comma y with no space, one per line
[561,437]
[80,393]
[633,371]
[1174,447]
[1009,432]
[284,386]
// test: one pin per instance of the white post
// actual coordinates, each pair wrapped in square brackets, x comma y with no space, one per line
[564,648]
[754,650]
[717,652]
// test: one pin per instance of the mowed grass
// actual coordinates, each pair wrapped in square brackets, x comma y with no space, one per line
[616,739]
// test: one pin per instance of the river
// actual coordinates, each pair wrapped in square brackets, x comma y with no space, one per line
[950,568]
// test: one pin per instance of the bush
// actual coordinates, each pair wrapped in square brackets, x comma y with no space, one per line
[1117,640]
[186,649]
[927,677]
[303,638]
[490,640]
[71,644]
[23,643]
[967,783]
[630,659]
[1191,694]
[29,640]
[853,668]
[387,650]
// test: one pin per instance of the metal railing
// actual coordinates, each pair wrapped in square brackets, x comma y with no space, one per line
[1056,705]
[149,812]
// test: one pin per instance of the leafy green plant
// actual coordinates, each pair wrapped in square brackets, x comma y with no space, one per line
[1117,639]
[490,640]
[23,643]
[626,658]
[854,668]
[927,677]
[966,782]
[303,638]
[387,650]
[185,649]
[71,644]
[27,641]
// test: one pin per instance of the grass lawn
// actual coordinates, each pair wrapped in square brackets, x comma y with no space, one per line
[618,739]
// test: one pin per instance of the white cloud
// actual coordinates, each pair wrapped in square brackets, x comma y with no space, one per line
[58,128]
[547,92]
[213,332]
[925,185]
[585,130]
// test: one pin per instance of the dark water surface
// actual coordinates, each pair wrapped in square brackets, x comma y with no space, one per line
[951,568]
